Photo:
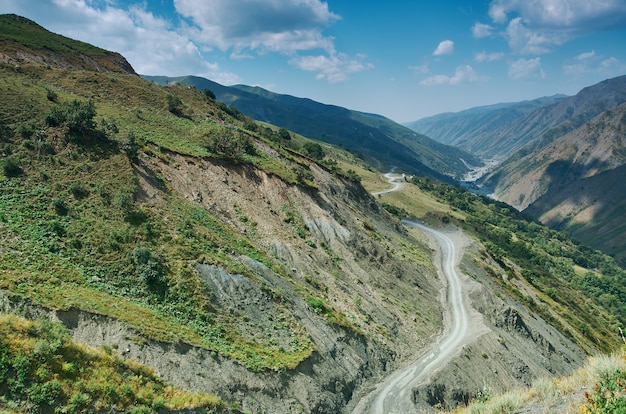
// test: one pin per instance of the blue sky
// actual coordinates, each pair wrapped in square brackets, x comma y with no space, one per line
[402,59]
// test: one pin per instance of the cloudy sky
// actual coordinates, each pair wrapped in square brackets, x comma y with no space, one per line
[403,59]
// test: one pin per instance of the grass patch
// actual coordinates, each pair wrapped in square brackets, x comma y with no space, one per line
[42,369]
[603,377]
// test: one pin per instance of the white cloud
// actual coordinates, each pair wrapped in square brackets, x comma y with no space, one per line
[333,68]
[436,80]
[445,47]
[586,55]
[275,25]
[526,69]
[535,26]
[244,29]
[574,15]
[420,69]
[527,41]
[590,63]
[480,30]
[463,74]
[483,56]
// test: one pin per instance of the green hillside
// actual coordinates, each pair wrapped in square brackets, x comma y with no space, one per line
[96,217]
[71,144]
[378,140]
[38,45]
[69,198]
[579,290]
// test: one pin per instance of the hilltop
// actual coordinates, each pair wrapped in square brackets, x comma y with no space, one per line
[24,42]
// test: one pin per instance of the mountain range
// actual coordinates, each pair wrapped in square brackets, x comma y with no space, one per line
[557,158]
[162,252]
[480,130]
[378,140]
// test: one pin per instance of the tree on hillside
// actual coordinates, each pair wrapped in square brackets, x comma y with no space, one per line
[229,143]
[284,134]
[209,94]
[174,104]
[314,150]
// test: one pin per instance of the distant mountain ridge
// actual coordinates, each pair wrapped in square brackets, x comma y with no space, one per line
[577,183]
[549,127]
[379,140]
[561,158]
[474,129]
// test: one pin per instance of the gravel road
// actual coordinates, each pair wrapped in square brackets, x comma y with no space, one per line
[393,395]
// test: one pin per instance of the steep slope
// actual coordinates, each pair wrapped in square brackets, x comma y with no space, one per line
[519,265]
[23,41]
[474,129]
[594,147]
[591,209]
[148,214]
[582,174]
[378,140]
[52,371]
[537,130]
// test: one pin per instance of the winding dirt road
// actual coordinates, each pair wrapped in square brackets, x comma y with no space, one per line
[393,180]
[393,395]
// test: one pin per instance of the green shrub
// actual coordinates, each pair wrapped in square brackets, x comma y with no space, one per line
[109,126]
[149,267]
[317,305]
[608,395]
[24,131]
[209,94]
[229,143]
[60,207]
[78,190]
[394,210]
[284,134]
[76,115]
[51,95]
[11,167]
[174,104]
[131,146]
[314,150]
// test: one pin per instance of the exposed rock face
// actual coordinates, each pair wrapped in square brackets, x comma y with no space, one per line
[322,384]
[333,243]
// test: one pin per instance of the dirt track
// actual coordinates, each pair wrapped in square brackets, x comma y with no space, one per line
[393,395]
